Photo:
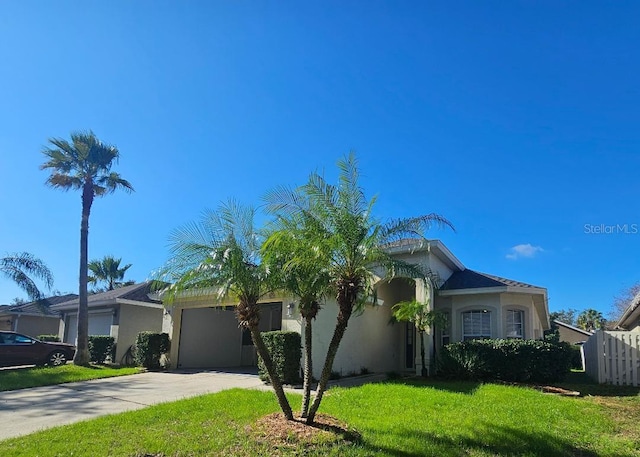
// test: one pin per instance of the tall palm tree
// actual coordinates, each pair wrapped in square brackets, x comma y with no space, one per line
[21,268]
[83,164]
[591,320]
[220,255]
[108,270]
[355,244]
[309,281]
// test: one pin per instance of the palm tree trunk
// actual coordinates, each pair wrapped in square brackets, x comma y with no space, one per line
[424,367]
[276,383]
[341,325]
[308,367]
[82,352]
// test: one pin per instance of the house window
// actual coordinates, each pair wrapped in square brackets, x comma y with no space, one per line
[445,332]
[476,325]
[515,324]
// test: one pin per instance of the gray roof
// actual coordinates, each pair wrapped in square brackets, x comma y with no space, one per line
[135,292]
[569,326]
[42,309]
[469,279]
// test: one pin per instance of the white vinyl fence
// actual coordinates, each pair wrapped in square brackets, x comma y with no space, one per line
[613,357]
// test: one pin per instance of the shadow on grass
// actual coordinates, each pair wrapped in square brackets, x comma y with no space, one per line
[495,441]
[580,382]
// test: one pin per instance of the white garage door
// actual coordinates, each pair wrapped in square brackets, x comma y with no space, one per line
[99,324]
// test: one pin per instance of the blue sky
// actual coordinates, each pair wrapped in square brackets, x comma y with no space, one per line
[518,121]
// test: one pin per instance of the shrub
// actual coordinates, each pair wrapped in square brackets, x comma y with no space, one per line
[100,347]
[52,338]
[506,360]
[285,351]
[150,347]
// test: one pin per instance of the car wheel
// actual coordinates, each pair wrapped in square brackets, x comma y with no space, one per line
[57,358]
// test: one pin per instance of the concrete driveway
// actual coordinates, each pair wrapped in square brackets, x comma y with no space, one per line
[28,410]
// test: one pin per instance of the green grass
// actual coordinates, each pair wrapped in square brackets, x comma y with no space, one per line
[21,378]
[395,419]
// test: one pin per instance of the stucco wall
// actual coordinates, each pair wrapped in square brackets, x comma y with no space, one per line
[571,336]
[133,320]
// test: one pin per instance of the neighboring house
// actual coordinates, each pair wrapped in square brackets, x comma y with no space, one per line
[122,313]
[33,318]
[630,319]
[206,334]
[570,334]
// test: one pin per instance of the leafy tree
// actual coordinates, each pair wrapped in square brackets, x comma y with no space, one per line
[308,280]
[419,314]
[220,255]
[354,244]
[568,316]
[108,270]
[83,164]
[21,268]
[591,320]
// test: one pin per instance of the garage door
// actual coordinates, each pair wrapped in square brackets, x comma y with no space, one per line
[99,324]
[209,337]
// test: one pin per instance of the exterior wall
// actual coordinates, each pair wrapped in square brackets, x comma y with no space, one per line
[571,336]
[439,268]
[36,325]
[133,320]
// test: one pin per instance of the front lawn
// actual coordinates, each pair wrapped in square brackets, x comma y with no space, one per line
[20,378]
[394,419]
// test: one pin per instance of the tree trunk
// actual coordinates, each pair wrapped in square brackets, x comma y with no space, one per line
[276,383]
[424,366]
[308,367]
[341,325]
[82,352]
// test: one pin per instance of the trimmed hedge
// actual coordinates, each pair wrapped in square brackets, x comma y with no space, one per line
[100,347]
[286,351]
[506,360]
[52,338]
[150,347]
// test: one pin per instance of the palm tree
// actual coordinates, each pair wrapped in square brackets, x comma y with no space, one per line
[591,320]
[108,270]
[21,268]
[220,255]
[419,314]
[83,164]
[309,280]
[355,244]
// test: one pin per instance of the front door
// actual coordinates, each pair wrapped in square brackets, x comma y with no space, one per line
[410,350]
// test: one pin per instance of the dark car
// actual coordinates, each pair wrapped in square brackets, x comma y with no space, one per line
[18,349]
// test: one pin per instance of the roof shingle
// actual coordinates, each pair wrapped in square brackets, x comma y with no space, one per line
[469,279]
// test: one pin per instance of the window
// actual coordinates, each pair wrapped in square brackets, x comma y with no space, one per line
[444,333]
[515,324]
[476,325]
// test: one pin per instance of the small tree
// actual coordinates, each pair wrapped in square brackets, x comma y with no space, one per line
[419,314]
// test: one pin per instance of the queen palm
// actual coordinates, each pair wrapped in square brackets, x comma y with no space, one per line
[22,268]
[354,244]
[220,255]
[108,270]
[83,164]
[591,320]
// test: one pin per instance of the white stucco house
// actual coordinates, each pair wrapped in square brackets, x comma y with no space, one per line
[122,313]
[478,305]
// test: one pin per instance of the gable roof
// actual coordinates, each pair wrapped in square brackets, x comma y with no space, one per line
[630,315]
[133,294]
[571,327]
[470,279]
[39,309]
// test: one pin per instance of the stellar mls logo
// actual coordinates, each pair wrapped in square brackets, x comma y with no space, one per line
[617,229]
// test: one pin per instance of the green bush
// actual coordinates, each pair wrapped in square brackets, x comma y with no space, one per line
[150,347]
[506,360]
[285,351]
[100,347]
[52,338]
